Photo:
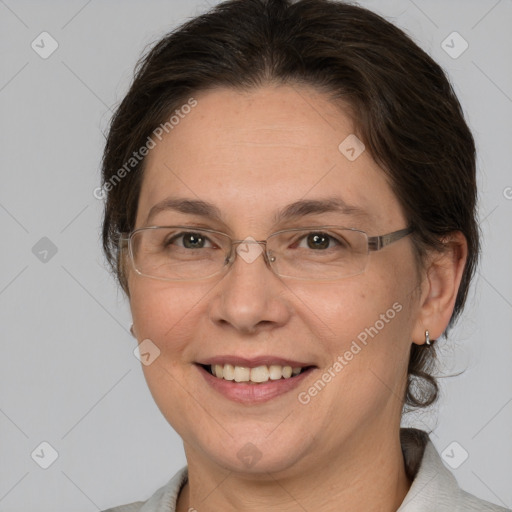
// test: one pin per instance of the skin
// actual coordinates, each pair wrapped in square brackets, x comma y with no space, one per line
[251,154]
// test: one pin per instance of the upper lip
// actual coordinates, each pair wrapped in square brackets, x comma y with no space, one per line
[253,362]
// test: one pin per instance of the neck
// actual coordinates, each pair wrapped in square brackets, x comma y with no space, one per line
[369,475]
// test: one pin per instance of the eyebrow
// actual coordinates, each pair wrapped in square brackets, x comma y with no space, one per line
[294,210]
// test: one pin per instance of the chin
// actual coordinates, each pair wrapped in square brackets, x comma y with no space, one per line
[255,454]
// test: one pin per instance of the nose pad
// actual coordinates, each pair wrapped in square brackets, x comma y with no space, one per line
[250,256]
[250,249]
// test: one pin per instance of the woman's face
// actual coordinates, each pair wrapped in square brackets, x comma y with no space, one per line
[251,155]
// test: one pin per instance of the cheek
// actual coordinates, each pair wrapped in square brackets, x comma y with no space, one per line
[362,308]
[170,317]
[367,349]
[363,326]
[166,313]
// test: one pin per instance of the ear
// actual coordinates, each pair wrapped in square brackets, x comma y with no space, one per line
[440,285]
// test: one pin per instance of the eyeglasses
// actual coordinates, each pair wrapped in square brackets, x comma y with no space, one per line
[185,253]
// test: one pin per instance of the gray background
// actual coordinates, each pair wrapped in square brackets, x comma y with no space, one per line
[68,373]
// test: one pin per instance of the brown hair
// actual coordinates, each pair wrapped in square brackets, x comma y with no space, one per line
[404,110]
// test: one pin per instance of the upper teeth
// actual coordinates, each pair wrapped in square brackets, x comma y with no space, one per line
[257,374]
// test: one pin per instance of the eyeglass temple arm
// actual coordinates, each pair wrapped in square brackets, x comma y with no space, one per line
[376,243]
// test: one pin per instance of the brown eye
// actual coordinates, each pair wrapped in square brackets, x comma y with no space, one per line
[318,241]
[193,240]
[189,240]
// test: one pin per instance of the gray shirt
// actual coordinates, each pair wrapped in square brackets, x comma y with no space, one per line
[433,489]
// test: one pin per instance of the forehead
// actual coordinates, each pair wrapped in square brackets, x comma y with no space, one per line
[252,153]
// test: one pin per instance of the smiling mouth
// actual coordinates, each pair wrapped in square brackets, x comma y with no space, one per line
[256,375]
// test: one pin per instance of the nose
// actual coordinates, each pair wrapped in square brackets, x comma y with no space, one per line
[250,297]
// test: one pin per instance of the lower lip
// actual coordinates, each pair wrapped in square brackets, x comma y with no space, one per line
[253,393]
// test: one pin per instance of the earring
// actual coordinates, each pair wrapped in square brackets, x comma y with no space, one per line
[427,338]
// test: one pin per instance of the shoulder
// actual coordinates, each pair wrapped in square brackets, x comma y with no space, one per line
[132,507]
[433,485]
[163,500]
[470,503]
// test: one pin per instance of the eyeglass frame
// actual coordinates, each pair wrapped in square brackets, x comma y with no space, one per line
[374,243]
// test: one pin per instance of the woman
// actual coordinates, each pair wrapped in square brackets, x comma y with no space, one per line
[290,208]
